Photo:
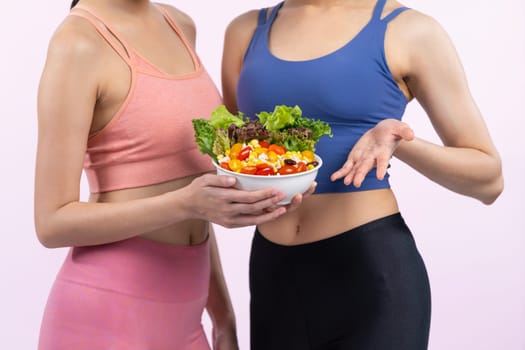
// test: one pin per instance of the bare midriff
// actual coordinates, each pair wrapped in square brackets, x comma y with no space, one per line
[340,212]
[188,232]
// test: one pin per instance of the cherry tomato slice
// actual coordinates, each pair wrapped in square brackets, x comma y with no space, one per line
[244,153]
[234,150]
[235,165]
[301,166]
[226,166]
[264,144]
[309,155]
[280,150]
[264,170]
[287,169]
[249,170]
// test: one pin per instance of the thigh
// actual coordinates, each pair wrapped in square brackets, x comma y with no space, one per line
[277,319]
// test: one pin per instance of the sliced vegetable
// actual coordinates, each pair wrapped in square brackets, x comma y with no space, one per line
[287,169]
[251,170]
[278,142]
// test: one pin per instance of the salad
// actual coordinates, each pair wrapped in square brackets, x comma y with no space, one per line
[276,143]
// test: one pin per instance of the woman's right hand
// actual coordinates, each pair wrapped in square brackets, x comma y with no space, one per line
[214,198]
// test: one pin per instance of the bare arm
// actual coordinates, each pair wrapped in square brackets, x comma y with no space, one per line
[467,162]
[422,55]
[219,305]
[68,94]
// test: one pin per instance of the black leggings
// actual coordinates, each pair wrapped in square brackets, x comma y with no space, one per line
[364,289]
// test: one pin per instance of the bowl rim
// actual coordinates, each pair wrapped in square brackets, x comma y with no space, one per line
[278,176]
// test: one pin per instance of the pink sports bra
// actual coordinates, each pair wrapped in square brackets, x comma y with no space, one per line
[150,139]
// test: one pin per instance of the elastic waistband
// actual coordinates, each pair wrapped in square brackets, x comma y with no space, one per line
[142,268]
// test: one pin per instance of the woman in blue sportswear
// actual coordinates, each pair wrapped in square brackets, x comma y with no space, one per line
[343,271]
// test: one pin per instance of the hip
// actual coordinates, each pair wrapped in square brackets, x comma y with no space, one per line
[132,294]
[142,268]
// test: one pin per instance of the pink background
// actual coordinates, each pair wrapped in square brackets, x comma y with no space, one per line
[475,254]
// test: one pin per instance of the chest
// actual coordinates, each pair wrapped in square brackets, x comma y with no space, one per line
[350,85]
[299,35]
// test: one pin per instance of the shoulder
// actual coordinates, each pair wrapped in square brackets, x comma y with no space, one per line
[75,39]
[244,21]
[418,30]
[183,20]
[241,29]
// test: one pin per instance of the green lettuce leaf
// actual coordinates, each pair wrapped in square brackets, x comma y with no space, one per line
[285,117]
[296,143]
[283,124]
[222,118]
[222,142]
[318,127]
[204,136]
[281,117]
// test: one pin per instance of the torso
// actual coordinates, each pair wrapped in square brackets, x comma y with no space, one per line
[188,232]
[324,215]
[160,45]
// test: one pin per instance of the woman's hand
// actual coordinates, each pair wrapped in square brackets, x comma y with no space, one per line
[298,198]
[214,198]
[373,149]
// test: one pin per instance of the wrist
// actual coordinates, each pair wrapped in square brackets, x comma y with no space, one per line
[403,148]
[224,322]
[178,205]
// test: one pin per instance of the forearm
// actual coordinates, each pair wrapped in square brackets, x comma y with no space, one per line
[466,171]
[86,223]
[219,305]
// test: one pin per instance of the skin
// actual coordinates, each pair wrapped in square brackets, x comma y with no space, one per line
[174,212]
[426,67]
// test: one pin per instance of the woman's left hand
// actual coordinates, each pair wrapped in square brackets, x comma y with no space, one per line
[373,149]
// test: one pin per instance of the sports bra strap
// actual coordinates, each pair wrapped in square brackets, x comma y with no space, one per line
[262,16]
[273,14]
[179,32]
[110,35]
[378,9]
[394,14]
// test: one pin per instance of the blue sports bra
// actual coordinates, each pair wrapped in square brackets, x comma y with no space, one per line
[351,88]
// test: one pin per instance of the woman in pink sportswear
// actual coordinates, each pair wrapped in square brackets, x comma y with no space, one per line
[117,94]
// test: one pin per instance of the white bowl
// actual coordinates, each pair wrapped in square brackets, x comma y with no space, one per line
[290,184]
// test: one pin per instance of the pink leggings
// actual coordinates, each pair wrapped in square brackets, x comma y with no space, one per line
[134,295]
